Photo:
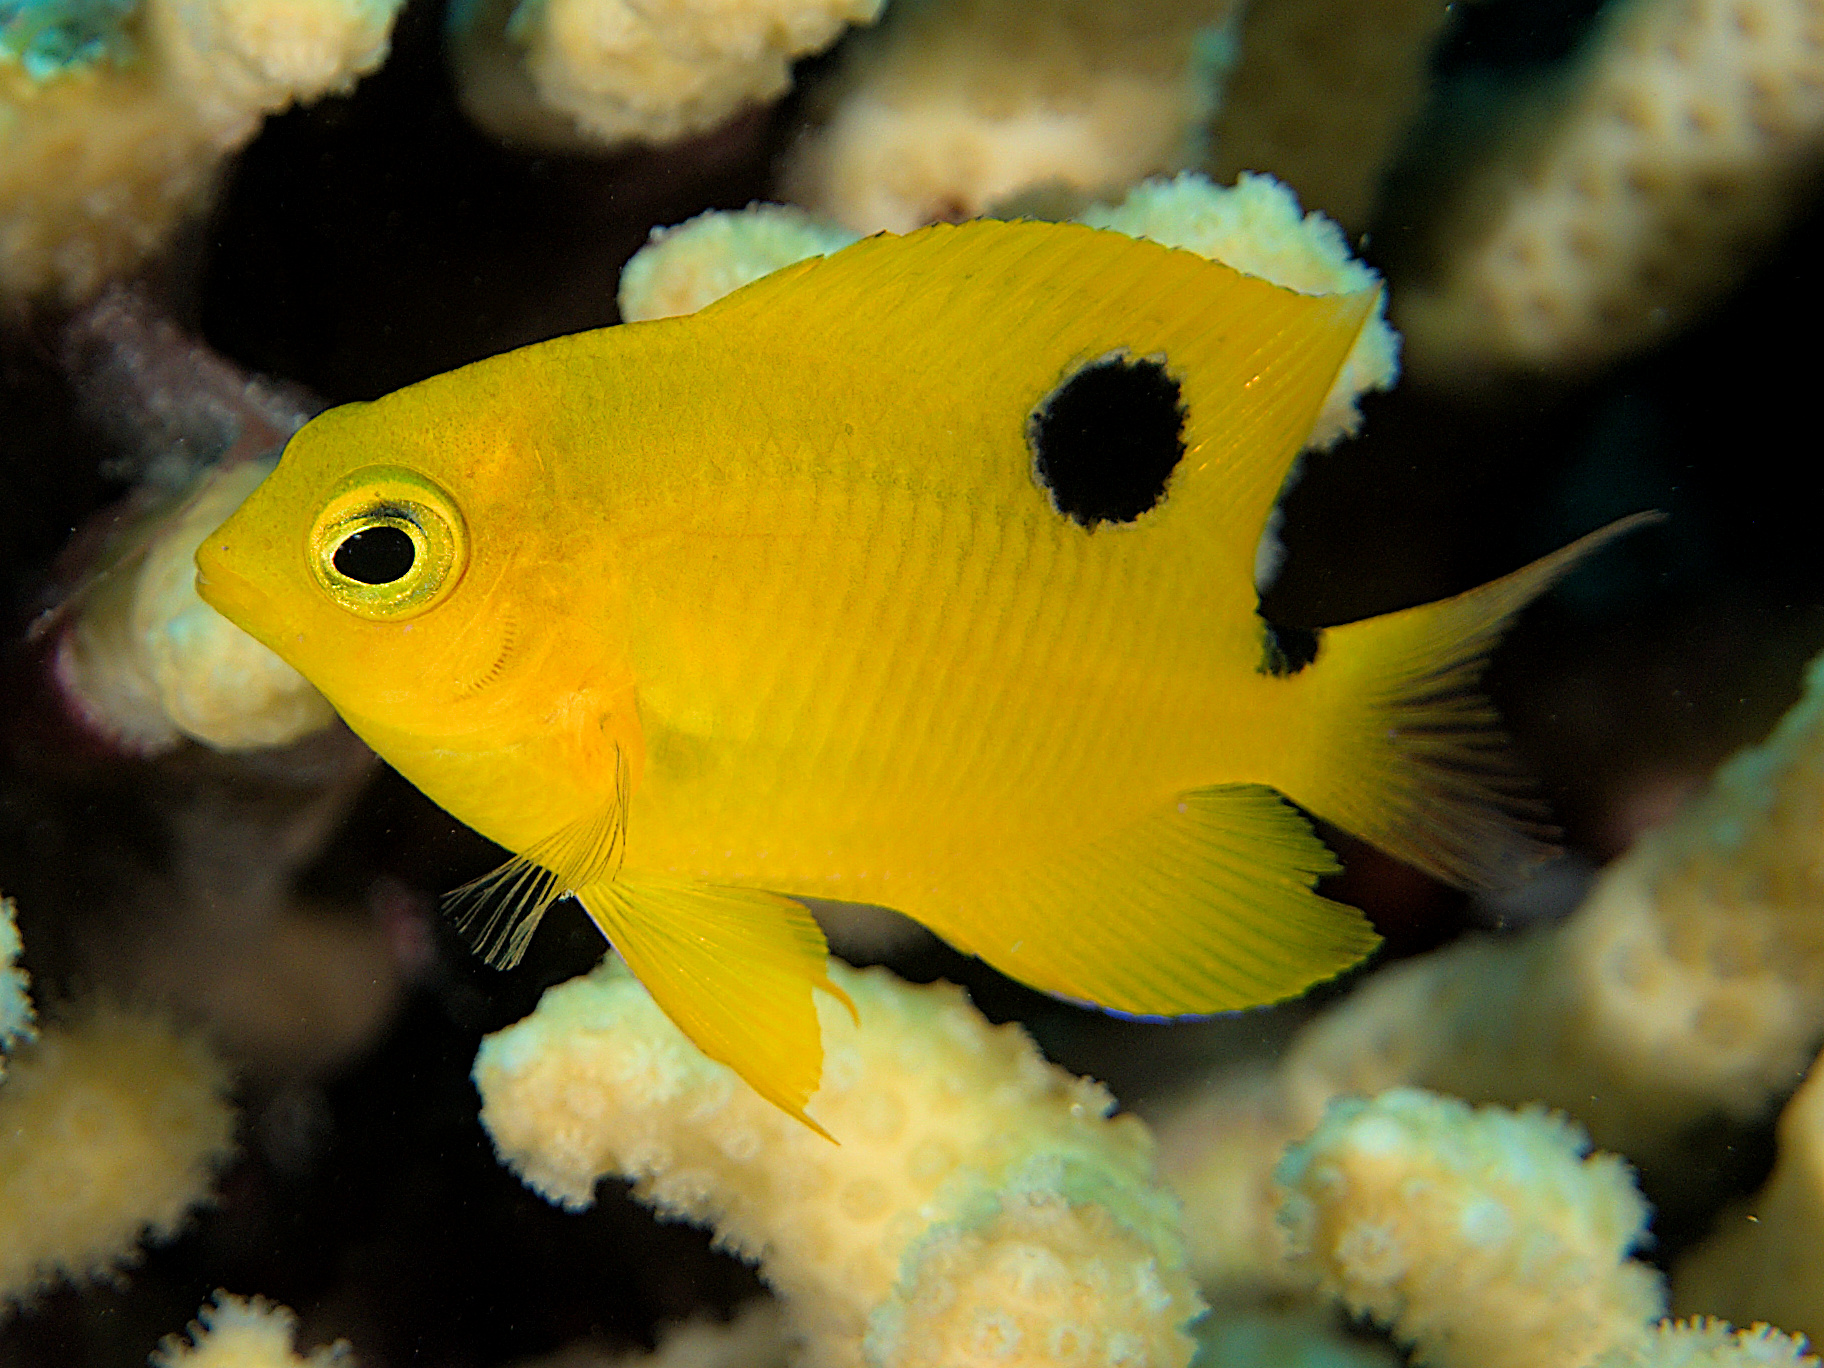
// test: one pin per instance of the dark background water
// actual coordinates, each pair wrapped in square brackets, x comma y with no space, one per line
[373,239]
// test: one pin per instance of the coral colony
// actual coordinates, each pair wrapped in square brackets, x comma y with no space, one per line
[1437,1166]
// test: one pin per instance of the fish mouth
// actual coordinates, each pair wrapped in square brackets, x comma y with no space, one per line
[223,589]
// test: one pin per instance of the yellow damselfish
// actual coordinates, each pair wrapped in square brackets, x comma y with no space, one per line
[918,575]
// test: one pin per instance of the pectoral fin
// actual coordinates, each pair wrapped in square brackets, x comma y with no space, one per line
[498,912]
[734,968]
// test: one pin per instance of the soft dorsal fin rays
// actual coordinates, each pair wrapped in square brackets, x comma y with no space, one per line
[1256,361]
[733,968]
[498,913]
[1204,905]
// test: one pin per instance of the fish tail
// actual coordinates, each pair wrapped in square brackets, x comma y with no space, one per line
[1403,748]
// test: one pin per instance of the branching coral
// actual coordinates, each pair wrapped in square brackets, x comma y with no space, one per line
[1481,1237]
[146,662]
[114,119]
[1635,196]
[243,1332]
[112,1125]
[683,268]
[1487,1237]
[980,1209]
[1322,93]
[559,72]
[1689,984]
[16,1018]
[1766,1260]
[1294,1335]
[1710,1343]
[140,659]
[953,106]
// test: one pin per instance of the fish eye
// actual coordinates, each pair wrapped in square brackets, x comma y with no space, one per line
[375,555]
[387,544]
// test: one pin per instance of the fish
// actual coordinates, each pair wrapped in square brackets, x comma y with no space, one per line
[917,575]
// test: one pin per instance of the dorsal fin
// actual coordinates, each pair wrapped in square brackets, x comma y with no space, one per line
[1004,314]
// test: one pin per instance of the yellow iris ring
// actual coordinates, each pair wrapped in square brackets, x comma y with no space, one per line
[386,496]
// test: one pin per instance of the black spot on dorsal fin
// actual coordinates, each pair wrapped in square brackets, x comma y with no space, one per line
[1287,650]
[1105,442]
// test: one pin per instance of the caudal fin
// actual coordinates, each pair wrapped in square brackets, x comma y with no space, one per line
[1406,751]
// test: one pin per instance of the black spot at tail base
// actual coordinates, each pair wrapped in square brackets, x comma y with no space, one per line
[1105,442]
[1287,650]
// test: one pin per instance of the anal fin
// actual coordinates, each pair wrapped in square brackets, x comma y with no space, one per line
[1206,905]
[733,968]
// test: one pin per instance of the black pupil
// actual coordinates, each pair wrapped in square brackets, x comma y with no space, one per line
[376,555]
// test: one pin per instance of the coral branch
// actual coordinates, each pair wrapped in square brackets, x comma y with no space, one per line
[1635,197]
[107,142]
[1484,1238]
[112,1125]
[979,1207]
[569,72]
[245,1332]
[951,107]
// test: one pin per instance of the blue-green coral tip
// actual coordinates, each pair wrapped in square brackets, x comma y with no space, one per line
[15,1002]
[48,38]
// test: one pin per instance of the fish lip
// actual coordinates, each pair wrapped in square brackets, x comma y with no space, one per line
[229,593]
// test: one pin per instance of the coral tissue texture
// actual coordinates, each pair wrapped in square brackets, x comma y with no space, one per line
[953,106]
[1766,1258]
[1484,1239]
[1636,197]
[147,663]
[15,1000]
[245,1332]
[980,1208]
[103,151]
[112,1126]
[614,71]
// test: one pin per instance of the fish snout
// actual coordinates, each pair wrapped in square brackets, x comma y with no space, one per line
[219,585]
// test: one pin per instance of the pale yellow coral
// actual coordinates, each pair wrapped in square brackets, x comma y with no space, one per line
[1296,1335]
[754,1338]
[245,1332]
[980,1201]
[1321,95]
[1710,1343]
[99,163]
[16,1018]
[1483,1238]
[148,663]
[1690,983]
[558,72]
[683,268]
[1045,1282]
[953,106]
[1637,196]
[1766,1259]
[112,1125]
